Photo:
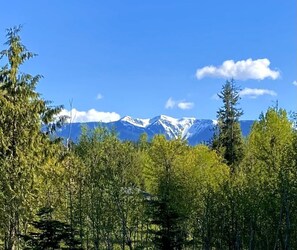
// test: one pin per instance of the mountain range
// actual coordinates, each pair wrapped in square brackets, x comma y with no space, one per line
[193,130]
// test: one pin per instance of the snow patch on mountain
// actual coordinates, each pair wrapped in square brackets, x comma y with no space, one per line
[173,127]
[191,129]
[136,122]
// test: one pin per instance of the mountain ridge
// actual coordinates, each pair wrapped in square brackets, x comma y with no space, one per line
[193,130]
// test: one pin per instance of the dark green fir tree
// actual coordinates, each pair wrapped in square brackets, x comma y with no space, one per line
[51,234]
[228,139]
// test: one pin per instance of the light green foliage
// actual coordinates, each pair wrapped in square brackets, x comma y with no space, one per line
[185,182]
[23,147]
[269,175]
[205,175]
[270,137]
[113,197]
[168,206]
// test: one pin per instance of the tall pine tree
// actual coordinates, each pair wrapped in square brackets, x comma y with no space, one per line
[228,137]
[229,143]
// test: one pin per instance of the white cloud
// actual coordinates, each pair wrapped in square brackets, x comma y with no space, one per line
[99,96]
[170,104]
[254,93]
[295,83]
[91,115]
[240,70]
[185,105]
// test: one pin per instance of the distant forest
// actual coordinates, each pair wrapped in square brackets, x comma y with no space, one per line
[103,193]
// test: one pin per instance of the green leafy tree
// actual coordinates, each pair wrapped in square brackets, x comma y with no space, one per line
[113,198]
[168,206]
[270,172]
[202,172]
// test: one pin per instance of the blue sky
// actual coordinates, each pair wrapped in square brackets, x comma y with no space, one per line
[146,58]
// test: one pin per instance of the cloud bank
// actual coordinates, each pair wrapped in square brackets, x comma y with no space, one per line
[240,70]
[254,93]
[91,115]
[170,104]
[295,83]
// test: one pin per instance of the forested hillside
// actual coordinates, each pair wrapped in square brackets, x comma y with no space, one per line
[103,193]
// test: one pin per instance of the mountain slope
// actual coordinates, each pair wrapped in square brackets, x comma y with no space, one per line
[194,130]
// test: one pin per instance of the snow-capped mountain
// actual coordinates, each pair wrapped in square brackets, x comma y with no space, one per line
[128,128]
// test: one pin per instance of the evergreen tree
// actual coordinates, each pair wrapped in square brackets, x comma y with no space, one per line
[228,140]
[24,149]
[229,143]
[51,234]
